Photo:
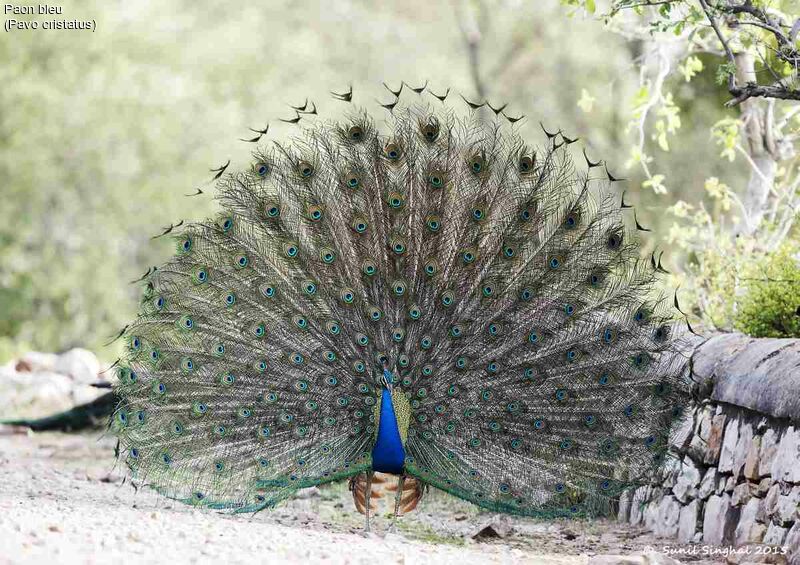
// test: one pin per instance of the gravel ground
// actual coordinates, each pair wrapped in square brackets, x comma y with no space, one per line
[62,501]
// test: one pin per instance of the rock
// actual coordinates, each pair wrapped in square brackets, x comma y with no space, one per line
[748,529]
[785,465]
[769,445]
[741,494]
[34,361]
[708,484]
[775,534]
[743,444]
[729,441]
[685,486]
[771,500]
[715,440]
[79,364]
[792,543]
[730,484]
[669,511]
[493,527]
[687,523]
[719,522]
[751,460]
[763,487]
[305,493]
[651,511]
[786,509]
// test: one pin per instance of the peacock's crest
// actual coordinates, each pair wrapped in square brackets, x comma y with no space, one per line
[495,285]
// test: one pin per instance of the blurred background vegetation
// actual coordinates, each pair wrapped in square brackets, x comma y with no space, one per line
[102,134]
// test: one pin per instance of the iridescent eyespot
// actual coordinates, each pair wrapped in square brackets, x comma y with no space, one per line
[333,327]
[487,290]
[525,164]
[426,342]
[395,200]
[427,370]
[456,330]
[327,255]
[430,268]
[355,133]
[533,336]
[436,179]
[403,360]
[347,295]
[186,245]
[433,223]
[310,288]
[358,366]
[614,240]
[360,225]
[572,220]
[448,297]
[554,262]
[509,251]
[297,358]
[398,245]
[300,322]
[260,365]
[477,163]
[273,210]
[478,213]
[430,130]
[369,268]
[241,261]
[414,312]
[461,362]
[315,213]
[362,339]
[561,394]
[661,333]
[468,256]
[392,151]
[569,309]
[290,249]
[610,335]
[226,225]
[352,180]
[268,291]
[305,169]
[399,287]
[374,313]
[526,294]
[261,169]
[329,356]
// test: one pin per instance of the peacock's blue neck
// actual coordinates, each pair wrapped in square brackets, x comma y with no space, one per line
[388,455]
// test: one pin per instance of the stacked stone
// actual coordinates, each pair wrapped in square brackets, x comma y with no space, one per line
[734,479]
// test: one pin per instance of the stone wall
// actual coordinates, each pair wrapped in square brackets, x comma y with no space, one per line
[734,478]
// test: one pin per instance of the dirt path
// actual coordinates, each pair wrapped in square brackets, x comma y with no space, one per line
[61,502]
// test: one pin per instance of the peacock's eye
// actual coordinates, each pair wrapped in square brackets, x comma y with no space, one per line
[433,223]
[395,200]
[351,179]
[525,164]
[355,133]
[315,213]
[305,169]
[262,169]
[392,151]
[430,130]
[477,163]
[273,211]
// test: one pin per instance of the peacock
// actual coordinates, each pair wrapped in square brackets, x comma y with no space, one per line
[424,300]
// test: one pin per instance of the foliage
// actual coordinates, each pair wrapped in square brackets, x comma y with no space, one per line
[723,228]
[771,305]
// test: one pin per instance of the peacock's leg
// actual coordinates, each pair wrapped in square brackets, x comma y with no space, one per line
[367,497]
[397,498]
